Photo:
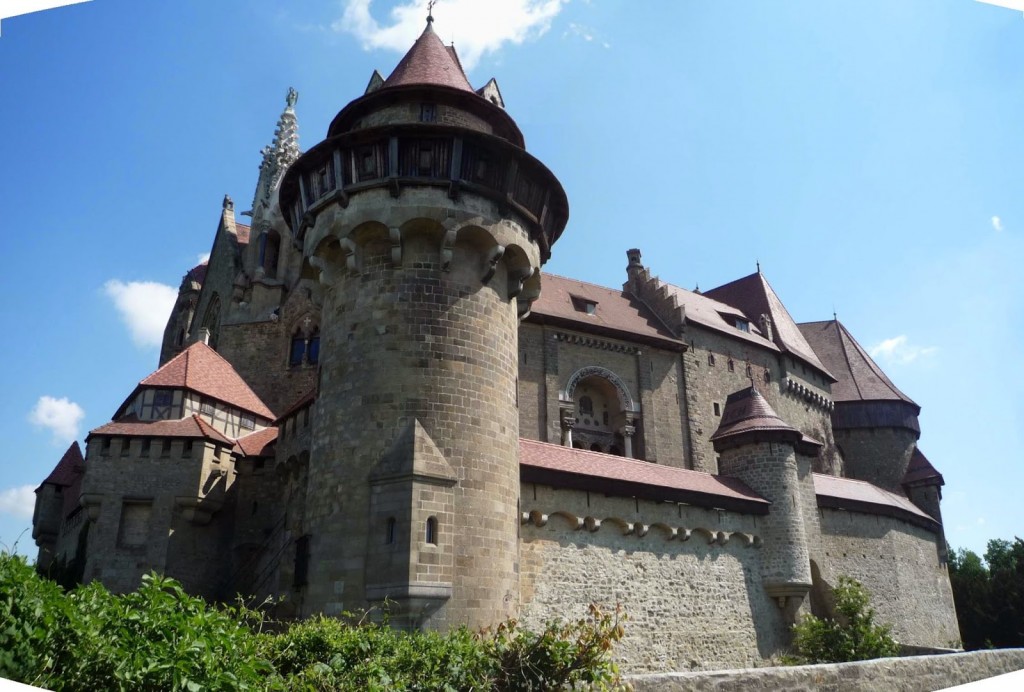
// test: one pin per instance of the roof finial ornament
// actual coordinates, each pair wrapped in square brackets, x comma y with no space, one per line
[758,262]
[430,11]
[292,98]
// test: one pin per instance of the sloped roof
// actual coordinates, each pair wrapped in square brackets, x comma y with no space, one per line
[68,469]
[755,297]
[258,444]
[860,378]
[429,62]
[855,495]
[242,232]
[549,464]
[203,370]
[921,472]
[193,426]
[300,403]
[718,316]
[615,310]
[197,273]
[747,411]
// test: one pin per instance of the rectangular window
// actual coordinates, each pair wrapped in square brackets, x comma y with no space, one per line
[428,113]
[126,446]
[105,447]
[743,325]
[163,397]
[718,410]
[301,561]
[145,447]
[248,421]
[207,408]
[186,448]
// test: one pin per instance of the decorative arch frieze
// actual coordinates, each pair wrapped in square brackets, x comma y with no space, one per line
[625,399]
[640,530]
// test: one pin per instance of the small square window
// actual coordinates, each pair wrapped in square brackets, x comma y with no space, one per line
[428,113]
[163,397]
[248,421]
[743,325]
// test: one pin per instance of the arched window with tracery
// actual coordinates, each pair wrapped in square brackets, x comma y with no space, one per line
[304,345]
[603,416]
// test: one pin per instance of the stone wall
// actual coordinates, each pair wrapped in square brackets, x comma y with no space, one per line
[912,674]
[900,565]
[688,578]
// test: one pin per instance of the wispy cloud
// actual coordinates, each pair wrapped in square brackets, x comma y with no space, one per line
[586,33]
[60,416]
[997,223]
[144,307]
[899,350]
[18,502]
[477,27]
[202,258]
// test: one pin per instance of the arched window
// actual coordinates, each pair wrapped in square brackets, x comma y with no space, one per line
[431,534]
[313,349]
[298,349]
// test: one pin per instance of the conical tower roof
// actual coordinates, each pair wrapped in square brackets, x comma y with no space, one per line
[749,417]
[429,62]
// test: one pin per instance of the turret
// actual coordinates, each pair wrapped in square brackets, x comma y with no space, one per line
[427,223]
[759,448]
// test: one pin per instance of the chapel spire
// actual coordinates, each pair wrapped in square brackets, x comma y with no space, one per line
[280,154]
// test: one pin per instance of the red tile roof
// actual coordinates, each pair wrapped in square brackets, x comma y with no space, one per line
[203,370]
[548,464]
[755,297]
[921,472]
[197,273]
[242,232]
[746,411]
[615,310]
[429,62]
[860,378]
[193,426]
[68,469]
[259,443]
[854,495]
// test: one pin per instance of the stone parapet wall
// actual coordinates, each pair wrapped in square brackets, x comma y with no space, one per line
[912,674]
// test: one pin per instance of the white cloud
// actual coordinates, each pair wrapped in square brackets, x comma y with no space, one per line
[144,307]
[18,502]
[477,27]
[202,258]
[62,417]
[997,223]
[899,350]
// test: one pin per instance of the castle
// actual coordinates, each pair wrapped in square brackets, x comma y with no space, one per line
[373,393]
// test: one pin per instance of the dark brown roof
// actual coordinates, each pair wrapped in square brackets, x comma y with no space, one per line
[300,403]
[716,315]
[860,378]
[564,300]
[203,370]
[921,472]
[192,427]
[429,62]
[258,444]
[197,273]
[755,297]
[68,469]
[746,413]
[558,466]
[861,496]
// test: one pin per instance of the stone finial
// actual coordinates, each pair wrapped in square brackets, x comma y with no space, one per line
[292,98]
[228,204]
[281,153]
[633,255]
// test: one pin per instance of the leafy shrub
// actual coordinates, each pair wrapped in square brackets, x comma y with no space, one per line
[851,636]
[160,638]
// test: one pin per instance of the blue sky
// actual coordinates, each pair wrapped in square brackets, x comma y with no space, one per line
[867,153]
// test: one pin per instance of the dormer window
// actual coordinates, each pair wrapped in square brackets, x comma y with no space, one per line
[742,325]
[585,305]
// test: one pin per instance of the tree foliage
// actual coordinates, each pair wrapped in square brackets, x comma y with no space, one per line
[989,594]
[853,635]
[160,638]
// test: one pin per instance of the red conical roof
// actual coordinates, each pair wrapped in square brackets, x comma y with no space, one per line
[429,62]
[746,412]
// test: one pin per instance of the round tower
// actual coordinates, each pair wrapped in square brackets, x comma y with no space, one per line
[427,222]
[759,448]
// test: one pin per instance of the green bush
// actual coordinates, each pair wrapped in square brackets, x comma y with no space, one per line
[160,638]
[852,636]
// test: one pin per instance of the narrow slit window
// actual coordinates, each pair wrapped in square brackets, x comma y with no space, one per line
[432,530]
[389,532]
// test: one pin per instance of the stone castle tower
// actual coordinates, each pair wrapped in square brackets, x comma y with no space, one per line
[427,265]
[365,397]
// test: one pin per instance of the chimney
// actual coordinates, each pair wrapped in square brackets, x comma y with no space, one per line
[204,335]
[634,268]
